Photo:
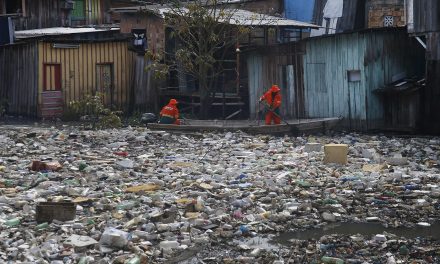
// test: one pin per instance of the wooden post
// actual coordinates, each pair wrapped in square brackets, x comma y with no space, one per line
[238,67]
[23,7]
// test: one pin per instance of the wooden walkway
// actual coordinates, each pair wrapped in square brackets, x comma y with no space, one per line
[296,127]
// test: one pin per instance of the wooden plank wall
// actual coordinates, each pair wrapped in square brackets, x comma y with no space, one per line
[78,69]
[432,91]
[379,55]
[145,88]
[40,14]
[281,65]
[49,13]
[426,16]
[18,78]
[94,12]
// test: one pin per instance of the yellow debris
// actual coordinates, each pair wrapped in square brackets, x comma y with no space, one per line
[143,188]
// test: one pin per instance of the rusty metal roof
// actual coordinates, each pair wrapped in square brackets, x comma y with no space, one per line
[55,31]
[235,17]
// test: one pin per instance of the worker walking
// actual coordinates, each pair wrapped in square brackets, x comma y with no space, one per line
[272,100]
[169,113]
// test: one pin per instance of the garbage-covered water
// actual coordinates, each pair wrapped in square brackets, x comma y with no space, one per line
[364,229]
[133,195]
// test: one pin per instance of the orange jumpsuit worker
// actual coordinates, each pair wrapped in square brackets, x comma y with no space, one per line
[272,99]
[170,114]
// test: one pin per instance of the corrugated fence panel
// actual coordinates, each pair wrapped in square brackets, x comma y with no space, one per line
[379,56]
[387,58]
[426,16]
[79,75]
[325,65]
[256,89]
[18,79]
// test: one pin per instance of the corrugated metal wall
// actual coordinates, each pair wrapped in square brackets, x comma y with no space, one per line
[93,12]
[145,87]
[79,72]
[432,93]
[379,56]
[426,16]
[18,78]
[40,14]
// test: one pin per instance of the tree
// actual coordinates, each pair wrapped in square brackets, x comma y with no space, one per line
[203,31]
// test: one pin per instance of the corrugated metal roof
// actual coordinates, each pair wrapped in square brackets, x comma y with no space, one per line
[58,31]
[237,16]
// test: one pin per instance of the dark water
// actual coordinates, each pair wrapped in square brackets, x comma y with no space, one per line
[365,229]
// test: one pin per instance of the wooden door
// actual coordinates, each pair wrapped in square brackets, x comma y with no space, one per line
[52,77]
[51,96]
[104,82]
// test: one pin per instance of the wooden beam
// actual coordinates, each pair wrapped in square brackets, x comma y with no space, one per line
[23,7]
[233,114]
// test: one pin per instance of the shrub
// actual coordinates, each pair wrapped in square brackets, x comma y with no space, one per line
[91,109]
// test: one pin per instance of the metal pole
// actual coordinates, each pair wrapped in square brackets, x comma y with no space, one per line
[224,97]
[238,67]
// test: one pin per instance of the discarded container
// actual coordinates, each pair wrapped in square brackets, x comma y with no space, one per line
[80,241]
[336,153]
[42,226]
[12,222]
[114,238]
[49,211]
[331,260]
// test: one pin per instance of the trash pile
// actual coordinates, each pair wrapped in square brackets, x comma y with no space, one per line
[138,196]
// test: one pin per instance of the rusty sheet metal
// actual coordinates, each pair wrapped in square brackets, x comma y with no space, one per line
[18,78]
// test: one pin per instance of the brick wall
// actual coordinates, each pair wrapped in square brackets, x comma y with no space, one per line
[385,13]
[153,25]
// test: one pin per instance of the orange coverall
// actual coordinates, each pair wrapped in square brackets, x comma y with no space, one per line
[272,100]
[169,115]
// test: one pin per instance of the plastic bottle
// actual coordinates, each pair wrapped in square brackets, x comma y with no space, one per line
[12,222]
[42,226]
[126,205]
[332,260]
[82,166]
[135,260]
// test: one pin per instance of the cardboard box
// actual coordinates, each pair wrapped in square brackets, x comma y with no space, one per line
[336,153]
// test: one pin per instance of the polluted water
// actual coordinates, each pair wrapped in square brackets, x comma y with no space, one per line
[133,195]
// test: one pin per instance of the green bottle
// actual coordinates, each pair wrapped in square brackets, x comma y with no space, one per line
[303,184]
[330,201]
[403,250]
[12,222]
[82,166]
[42,226]
[135,260]
[331,260]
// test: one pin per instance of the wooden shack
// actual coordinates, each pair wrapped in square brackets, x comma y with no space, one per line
[345,75]
[49,68]
[424,24]
[31,14]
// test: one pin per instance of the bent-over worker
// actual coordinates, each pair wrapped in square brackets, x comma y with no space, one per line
[272,100]
[169,113]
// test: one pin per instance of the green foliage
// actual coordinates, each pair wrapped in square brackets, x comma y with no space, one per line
[160,70]
[135,119]
[91,109]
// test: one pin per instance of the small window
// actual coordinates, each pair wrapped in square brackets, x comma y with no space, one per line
[388,21]
[354,76]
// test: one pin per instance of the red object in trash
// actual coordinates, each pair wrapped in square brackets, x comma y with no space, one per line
[121,153]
